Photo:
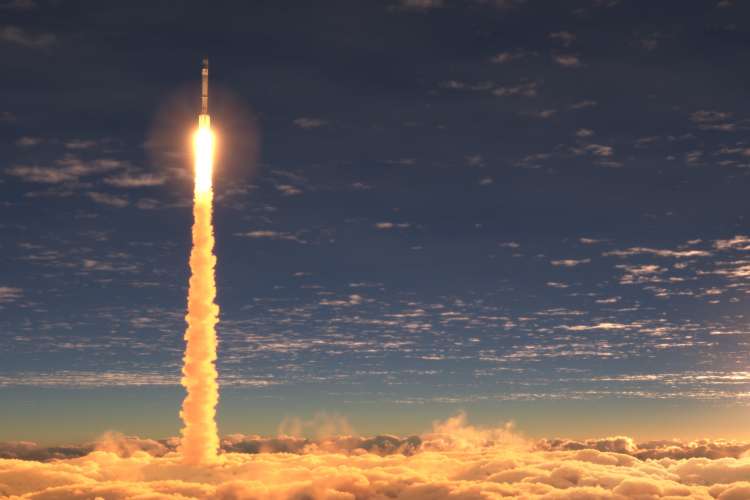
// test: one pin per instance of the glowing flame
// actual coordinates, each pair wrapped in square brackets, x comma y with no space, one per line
[200,439]
[204,155]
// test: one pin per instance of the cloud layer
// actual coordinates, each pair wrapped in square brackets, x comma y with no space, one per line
[454,460]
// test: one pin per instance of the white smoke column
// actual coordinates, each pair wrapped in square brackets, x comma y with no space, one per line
[200,438]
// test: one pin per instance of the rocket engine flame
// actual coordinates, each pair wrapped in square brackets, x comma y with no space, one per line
[204,155]
[200,438]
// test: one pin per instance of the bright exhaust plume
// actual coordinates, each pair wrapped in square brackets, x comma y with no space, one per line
[200,439]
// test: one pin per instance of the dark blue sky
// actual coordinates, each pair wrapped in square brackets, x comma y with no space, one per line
[508,207]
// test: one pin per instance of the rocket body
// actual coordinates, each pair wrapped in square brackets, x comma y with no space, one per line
[204,87]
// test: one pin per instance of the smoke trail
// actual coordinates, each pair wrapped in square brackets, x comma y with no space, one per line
[200,440]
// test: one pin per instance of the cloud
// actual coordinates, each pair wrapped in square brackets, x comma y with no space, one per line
[598,326]
[43,175]
[584,132]
[80,144]
[508,56]
[738,242]
[454,460]
[27,141]
[486,181]
[90,379]
[543,114]
[678,254]
[108,199]
[568,61]
[103,266]
[271,235]
[475,87]
[584,104]
[147,204]
[652,450]
[474,160]
[135,180]
[306,122]
[351,300]
[564,37]
[599,150]
[19,36]
[391,225]
[649,42]
[9,294]
[523,89]
[712,120]
[569,262]
[708,116]
[68,169]
[646,273]
[288,189]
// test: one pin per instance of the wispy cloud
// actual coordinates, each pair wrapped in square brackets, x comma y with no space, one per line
[288,189]
[509,55]
[569,262]
[391,225]
[737,242]
[566,38]
[19,36]
[108,199]
[270,235]
[28,141]
[68,169]
[568,60]
[307,122]
[80,144]
[474,160]
[712,120]
[9,294]
[659,252]
[598,326]
[523,89]
[135,180]
[600,150]
[588,103]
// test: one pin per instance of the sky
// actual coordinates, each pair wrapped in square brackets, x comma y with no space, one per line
[530,211]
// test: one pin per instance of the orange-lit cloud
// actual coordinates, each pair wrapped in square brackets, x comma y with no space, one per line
[454,460]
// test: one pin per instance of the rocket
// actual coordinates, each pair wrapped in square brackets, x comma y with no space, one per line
[204,87]
[203,119]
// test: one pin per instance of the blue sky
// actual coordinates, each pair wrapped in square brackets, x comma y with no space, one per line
[528,210]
